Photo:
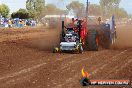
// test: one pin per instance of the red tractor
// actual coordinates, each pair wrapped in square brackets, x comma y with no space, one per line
[76,37]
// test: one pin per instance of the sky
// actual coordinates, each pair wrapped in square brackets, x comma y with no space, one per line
[14,5]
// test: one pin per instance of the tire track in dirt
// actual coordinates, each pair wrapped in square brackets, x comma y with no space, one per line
[60,60]
[83,59]
[114,69]
[22,71]
[102,74]
[80,58]
[125,65]
[77,60]
[71,79]
[113,59]
[69,56]
[113,65]
[124,62]
[17,75]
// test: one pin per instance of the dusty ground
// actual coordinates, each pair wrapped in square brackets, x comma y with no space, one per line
[26,60]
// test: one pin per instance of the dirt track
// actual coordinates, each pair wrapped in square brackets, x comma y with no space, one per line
[26,61]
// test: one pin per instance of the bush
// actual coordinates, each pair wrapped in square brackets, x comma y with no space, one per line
[21,14]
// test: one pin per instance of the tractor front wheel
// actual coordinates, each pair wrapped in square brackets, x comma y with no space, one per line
[55,50]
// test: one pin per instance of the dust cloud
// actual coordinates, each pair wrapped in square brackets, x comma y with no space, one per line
[45,42]
[51,38]
[124,37]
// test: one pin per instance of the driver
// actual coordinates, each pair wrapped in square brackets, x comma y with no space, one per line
[70,38]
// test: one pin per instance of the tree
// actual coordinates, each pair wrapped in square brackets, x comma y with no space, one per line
[35,8]
[109,6]
[77,7]
[21,13]
[4,10]
[30,8]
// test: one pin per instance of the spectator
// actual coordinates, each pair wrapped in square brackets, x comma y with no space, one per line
[9,23]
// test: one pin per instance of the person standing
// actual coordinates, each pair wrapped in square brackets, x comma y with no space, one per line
[9,23]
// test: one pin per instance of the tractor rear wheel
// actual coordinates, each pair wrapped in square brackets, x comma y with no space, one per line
[92,41]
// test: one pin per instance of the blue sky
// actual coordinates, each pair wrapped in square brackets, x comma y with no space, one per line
[14,5]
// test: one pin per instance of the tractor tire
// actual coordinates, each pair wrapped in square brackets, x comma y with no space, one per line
[106,38]
[91,41]
[109,39]
[55,50]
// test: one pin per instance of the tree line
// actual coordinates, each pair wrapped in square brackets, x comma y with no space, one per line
[37,9]
[106,8]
